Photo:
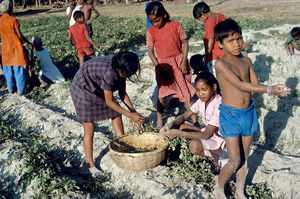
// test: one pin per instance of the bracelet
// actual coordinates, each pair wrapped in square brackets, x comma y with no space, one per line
[269,90]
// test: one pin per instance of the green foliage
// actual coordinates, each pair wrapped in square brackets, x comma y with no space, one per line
[191,167]
[38,93]
[258,191]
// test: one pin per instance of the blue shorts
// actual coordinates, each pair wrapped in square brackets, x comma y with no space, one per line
[237,122]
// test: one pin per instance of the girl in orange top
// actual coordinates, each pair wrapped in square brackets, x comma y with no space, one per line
[14,59]
[173,74]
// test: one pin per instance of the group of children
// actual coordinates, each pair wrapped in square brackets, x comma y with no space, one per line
[223,88]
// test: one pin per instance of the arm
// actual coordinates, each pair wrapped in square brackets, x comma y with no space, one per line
[21,37]
[286,45]
[125,98]
[152,55]
[185,50]
[91,41]
[206,134]
[70,39]
[72,7]
[108,95]
[227,74]
[97,14]
[210,46]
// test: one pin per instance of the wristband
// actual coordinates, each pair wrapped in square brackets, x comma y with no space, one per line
[269,90]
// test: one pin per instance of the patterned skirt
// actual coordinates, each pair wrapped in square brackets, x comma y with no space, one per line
[89,106]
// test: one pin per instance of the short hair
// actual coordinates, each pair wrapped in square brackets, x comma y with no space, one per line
[197,63]
[78,14]
[295,32]
[126,62]
[226,28]
[156,8]
[200,9]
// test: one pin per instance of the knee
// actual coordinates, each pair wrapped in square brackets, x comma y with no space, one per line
[196,147]
[233,163]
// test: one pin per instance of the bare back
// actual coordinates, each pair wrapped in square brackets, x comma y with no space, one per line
[87,10]
[234,75]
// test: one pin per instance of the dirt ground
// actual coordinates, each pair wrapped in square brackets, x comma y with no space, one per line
[281,11]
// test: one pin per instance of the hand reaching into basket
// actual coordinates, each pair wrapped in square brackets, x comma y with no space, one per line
[137,118]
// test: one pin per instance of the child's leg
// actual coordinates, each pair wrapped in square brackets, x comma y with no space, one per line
[242,172]
[20,75]
[117,125]
[81,60]
[9,76]
[188,106]
[89,128]
[160,110]
[233,149]
[196,147]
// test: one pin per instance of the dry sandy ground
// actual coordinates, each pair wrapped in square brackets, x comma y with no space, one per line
[278,117]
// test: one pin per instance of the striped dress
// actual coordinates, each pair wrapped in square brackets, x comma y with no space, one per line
[87,89]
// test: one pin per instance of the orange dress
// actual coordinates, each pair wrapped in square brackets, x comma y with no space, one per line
[12,50]
[168,47]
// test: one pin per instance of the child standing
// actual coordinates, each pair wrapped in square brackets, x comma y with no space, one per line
[203,13]
[92,94]
[206,141]
[81,36]
[49,71]
[238,119]
[293,42]
[172,71]
[14,59]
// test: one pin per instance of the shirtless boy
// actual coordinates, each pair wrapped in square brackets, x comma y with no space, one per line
[238,119]
[87,9]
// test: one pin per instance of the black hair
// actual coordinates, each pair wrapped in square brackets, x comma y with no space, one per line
[78,14]
[197,63]
[210,79]
[226,28]
[295,32]
[126,62]
[200,9]
[156,8]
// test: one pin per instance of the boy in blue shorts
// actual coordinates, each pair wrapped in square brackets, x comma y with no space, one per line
[237,119]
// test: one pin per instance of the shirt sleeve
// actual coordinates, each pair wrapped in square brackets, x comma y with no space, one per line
[108,81]
[209,29]
[149,39]
[290,39]
[195,108]
[67,11]
[181,33]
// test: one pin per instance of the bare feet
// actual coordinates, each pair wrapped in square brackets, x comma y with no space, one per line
[219,192]
[239,195]
[96,173]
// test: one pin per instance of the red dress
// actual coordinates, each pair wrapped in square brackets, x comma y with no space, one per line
[209,27]
[168,47]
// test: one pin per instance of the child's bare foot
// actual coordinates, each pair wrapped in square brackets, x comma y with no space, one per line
[239,195]
[43,84]
[219,192]
[96,173]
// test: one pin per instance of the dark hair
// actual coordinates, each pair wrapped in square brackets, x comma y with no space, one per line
[295,32]
[200,9]
[78,14]
[126,62]
[197,63]
[210,79]
[226,28]
[156,8]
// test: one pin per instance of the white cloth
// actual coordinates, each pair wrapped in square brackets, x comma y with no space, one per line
[48,68]
[72,21]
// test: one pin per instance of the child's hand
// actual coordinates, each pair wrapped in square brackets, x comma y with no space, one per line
[183,68]
[97,46]
[137,118]
[281,90]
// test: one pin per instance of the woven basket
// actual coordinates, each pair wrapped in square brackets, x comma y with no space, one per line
[137,161]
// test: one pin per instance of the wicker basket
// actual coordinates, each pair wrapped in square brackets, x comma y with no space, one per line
[138,161]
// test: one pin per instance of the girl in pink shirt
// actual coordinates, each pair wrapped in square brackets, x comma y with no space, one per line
[205,141]
[173,74]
